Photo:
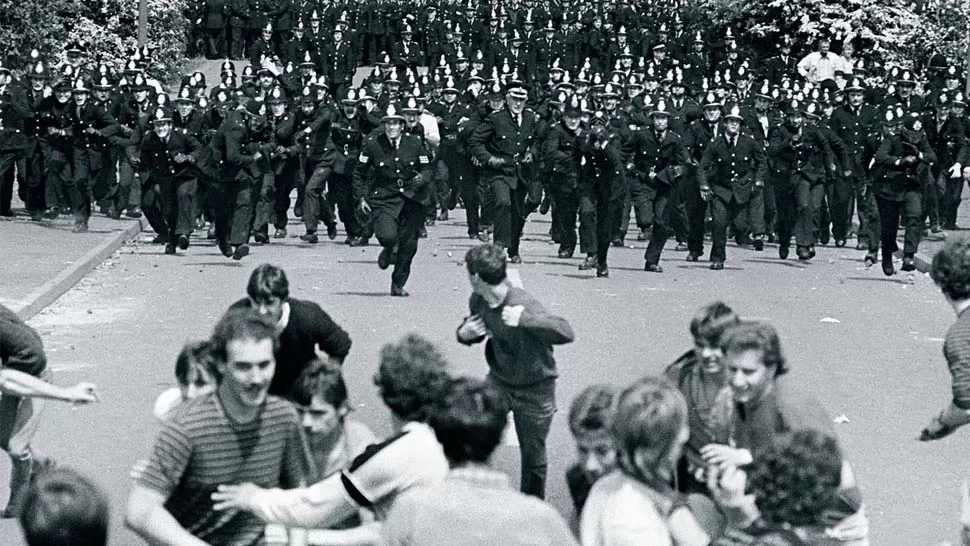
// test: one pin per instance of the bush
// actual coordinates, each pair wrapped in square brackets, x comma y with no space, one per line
[892,32]
[108,27]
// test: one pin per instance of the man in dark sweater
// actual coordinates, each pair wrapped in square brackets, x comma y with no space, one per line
[519,354]
[303,326]
[23,386]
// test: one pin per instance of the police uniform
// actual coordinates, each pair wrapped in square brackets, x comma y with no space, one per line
[393,179]
[732,172]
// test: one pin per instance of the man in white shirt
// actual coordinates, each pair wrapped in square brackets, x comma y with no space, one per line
[820,65]
[411,374]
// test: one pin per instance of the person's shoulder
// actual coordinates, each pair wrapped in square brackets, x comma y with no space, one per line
[304,307]
[244,303]
[279,408]
[359,436]
[412,446]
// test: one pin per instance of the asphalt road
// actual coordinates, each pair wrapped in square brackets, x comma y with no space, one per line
[869,346]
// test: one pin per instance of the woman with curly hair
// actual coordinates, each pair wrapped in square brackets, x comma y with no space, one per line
[793,481]
[951,272]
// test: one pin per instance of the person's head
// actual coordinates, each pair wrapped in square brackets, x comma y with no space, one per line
[410,377]
[951,269]
[393,127]
[486,265]
[706,327]
[193,370]
[63,507]
[650,428]
[660,121]
[268,290]
[753,358]
[516,98]
[320,395]
[823,45]
[590,419]
[243,347]
[469,419]
[796,478]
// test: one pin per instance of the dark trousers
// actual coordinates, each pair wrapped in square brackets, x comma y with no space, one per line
[151,207]
[950,200]
[471,193]
[723,211]
[315,206]
[8,162]
[33,167]
[533,408]
[232,207]
[396,226]
[596,210]
[79,187]
[839,195]
[910,211]
[215,40]
[646,203]
[932,189]
[59,177]
[696,210]
[566,206]
[620,218]
[509,213]
[808,200]
[661,228]
[677,209]
[342,196]
[126,193]
[177,201]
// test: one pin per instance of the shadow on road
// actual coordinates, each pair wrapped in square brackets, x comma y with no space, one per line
[879,279]
[578,276]
[364,294]
[222,263]
[787,263]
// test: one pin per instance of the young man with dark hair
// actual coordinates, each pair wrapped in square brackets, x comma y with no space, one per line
[951,272]
[590,418]
[24,385]
[410,378]
[474,498]
[521,334]
[63,507]
[302,326]
[239,432]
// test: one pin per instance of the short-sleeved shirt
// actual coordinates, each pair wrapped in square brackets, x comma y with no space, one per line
[200,448]
[21,348]
[383,471]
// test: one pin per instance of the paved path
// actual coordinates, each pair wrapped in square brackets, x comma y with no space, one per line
[867,345]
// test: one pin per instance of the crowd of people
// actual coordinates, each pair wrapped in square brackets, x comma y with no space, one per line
[257,445]
[595,112]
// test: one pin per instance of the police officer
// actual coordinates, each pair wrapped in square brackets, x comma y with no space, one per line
[800,153]
[168,160]
[94,126]
[903,152]
[391,183]
[504,144]
[655,159]
[731,175]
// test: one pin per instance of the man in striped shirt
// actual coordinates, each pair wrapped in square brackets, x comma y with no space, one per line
[951,272]
[239,433]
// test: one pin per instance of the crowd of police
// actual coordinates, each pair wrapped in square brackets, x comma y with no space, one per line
[594,111]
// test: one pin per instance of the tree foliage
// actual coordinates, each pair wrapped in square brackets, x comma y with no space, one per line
[892,32]
[108,27]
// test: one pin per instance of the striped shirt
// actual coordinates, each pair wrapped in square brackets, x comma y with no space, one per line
[956,349]
[200,448]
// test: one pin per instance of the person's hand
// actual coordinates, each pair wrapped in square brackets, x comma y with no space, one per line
[935,430]
[181,158]
[235,497]
[847,173]
[476,162]
[473,328]
[759,184]
[279,150]
[257,156]
[908,160]
[512,314]
[496,162]
[706,194]
[83,393]
[527,158]
[833,167]
[652,173]
[417,179]
[726,485]
[363,206]
[724,456]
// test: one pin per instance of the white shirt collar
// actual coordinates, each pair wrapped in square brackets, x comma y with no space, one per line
[284,317]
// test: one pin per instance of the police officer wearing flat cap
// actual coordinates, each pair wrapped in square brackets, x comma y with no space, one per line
[391,184]
[503,143]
